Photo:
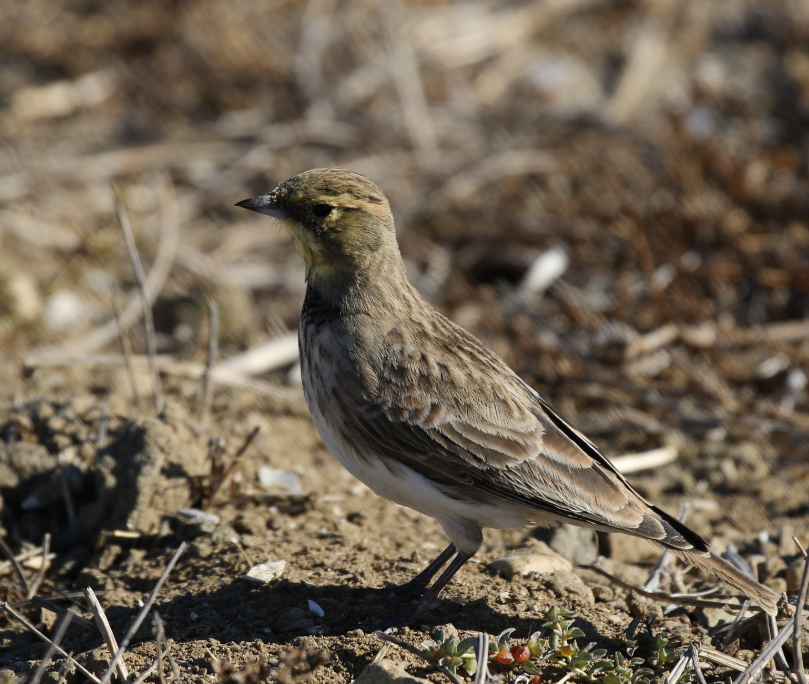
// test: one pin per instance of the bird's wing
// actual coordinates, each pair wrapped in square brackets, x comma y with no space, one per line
[462,415]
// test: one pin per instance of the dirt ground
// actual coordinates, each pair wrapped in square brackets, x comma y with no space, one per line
[655,152]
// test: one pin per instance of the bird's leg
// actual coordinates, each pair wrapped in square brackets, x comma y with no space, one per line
[415,587]
[429,596]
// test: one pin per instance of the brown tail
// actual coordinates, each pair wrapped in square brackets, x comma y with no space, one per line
[710,562]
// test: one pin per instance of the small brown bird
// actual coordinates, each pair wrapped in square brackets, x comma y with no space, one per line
[426,415]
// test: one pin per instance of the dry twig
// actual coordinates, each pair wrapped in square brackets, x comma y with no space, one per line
[231,468]
[14,564]
[415,651]
[148,320]
[106,631]
[58,648]
[57,639]
[46,547]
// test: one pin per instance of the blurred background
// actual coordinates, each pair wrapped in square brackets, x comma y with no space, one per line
[612,195]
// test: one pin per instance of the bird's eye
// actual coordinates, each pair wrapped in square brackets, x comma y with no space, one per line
[322,210]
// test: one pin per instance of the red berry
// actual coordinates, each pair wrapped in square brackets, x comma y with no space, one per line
[520,653]
[504,658]
[536,679]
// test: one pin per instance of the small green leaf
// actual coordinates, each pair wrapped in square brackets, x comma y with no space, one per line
[530,668]
[612,679]
[464,646]
[574,633]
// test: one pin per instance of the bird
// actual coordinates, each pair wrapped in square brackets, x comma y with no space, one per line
[426,415]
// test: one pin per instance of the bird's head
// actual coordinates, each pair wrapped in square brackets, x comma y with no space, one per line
[338,219]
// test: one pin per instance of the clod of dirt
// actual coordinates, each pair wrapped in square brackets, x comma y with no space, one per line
[794,575]
[21,467]
[387,672]
[567,585]
[642,607]
[147,470]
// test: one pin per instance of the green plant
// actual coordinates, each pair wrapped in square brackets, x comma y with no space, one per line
[450,653]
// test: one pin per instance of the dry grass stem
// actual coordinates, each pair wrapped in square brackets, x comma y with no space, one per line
[231,468]
[57,639]
[712,655]
[106,631]
[133,628]
[165,647]
[58,648]
[147,672]
[52,607]
[416,652]
[665,558]
[213,346]
[146,303]
[734,626]
[7,552]
[756,667]
[126,345]
[797,629]
[664,598]
[482,655]
[40,576]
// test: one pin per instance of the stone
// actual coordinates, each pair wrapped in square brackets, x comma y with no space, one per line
[96,661]
[579,544]
[387,671]
[642,607]
[603,594]
[625,548]
[293,620]
[567,585]
[540,560]
[713,617]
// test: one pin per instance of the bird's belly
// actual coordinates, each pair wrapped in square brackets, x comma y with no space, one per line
[396,482]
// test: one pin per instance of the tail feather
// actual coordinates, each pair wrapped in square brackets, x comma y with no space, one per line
[766,598]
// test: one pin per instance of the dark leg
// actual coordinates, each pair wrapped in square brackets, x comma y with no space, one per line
[429,596]
[415,587]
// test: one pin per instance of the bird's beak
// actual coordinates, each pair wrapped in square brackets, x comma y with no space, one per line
[263,204]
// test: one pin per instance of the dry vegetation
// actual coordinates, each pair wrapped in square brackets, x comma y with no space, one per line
[655,152]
